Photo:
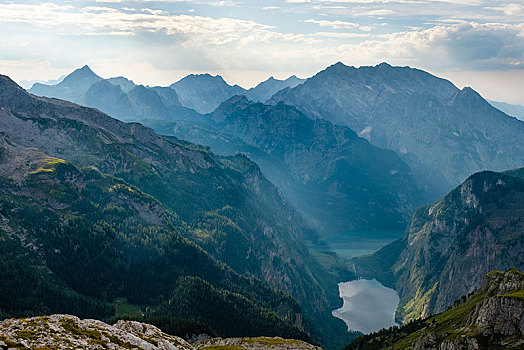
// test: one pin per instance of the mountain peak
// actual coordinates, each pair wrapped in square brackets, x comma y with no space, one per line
[86,68]
[83,73]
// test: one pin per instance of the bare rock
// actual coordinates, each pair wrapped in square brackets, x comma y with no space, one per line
[259,343]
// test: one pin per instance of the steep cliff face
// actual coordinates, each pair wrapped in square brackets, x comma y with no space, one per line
[490,318]
[503,308]
[449,245]
[65,331]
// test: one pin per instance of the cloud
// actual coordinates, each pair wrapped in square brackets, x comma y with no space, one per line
[381,13]
[470,45]
[510,9]
[457,2]
[340,35]
[98,20]
[334,24]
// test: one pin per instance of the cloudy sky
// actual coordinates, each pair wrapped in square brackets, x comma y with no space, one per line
[471,42]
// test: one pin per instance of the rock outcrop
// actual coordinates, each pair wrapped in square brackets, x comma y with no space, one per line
[503,310]
[66,331]
[70,332]
[259,343]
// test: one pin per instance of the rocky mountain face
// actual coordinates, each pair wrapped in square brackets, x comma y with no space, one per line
[204,92]
[66,331]
[444,134]
[263,91]
[478,227]
[88,165]
[337,180]
[490,318]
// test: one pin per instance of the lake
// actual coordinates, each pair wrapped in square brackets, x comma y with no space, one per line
[350,244]
[368,305]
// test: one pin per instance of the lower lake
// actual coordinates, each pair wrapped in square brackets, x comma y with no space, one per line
[368,305]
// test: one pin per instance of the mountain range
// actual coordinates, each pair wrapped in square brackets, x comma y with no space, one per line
[204,92]
[118,96]
[349,149]
[443,133]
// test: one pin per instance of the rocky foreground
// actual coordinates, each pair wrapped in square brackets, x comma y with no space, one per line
[70,332]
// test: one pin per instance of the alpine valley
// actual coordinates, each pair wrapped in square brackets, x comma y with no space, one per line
[202,214]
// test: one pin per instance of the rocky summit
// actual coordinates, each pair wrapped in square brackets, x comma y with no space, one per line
[67,332]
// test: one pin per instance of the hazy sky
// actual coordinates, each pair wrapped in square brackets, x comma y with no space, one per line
[471,42]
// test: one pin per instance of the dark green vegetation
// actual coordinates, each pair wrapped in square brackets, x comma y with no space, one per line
[337,180]
[478,227]
[93,239]
[487,319]
[123,212]
[443,133]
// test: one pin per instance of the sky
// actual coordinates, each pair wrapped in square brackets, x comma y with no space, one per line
[473,43]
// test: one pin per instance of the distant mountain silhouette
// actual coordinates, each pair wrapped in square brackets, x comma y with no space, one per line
[73,88]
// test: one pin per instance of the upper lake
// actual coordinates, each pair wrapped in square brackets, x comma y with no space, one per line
[350,244]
